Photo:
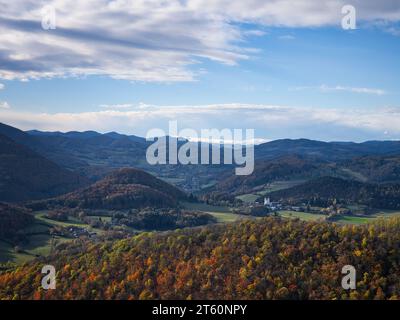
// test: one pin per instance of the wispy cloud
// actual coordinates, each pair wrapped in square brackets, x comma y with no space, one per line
[117,106]
[257,33]
[1,86]
[153,40]
[269,121]
[136,40]
[4,105]
[378,92]
[325,88]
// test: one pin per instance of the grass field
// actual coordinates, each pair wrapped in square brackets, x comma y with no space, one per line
[354,220]
[222,214]
[386,213]
[280,185]
[71,221]
[7,253]
[40,241]
[367,219]
[345,219]
[248,198]
[273,186]
[302,215]
[39,245]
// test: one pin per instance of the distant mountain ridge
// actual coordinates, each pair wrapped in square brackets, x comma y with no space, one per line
[328,151]
[94,154]
[84,135]
[273,149]
[331,151]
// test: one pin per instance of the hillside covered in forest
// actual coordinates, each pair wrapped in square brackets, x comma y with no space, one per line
[26,175]
[260,259]
[323,191]
[13,219]
[125,188]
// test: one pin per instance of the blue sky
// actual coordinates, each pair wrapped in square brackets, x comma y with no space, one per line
[286,75]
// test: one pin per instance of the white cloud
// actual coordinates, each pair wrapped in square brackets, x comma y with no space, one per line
[4,105]
[1,86]
[269,122]
[378,92]
[117,106]
[153,40]
[125,39]
[257,33]
[124,106]
[325,88]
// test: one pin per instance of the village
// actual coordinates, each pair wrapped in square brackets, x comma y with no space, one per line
[273,208]
[266,208]
[72,232]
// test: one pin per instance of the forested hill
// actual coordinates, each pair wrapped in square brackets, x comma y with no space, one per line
[13,219]
[286,167]
[323,190]
[26,175]
[254,259]
[122,189]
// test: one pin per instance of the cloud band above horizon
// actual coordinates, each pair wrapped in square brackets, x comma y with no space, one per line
[269,122]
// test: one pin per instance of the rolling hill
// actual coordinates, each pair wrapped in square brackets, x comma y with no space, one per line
[382,169]
[52,150]
[123,189]
[26,175]
[12,219]
[323,191]
[378,169]
[286,167]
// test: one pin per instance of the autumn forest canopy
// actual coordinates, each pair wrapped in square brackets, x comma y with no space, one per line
[264,259]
